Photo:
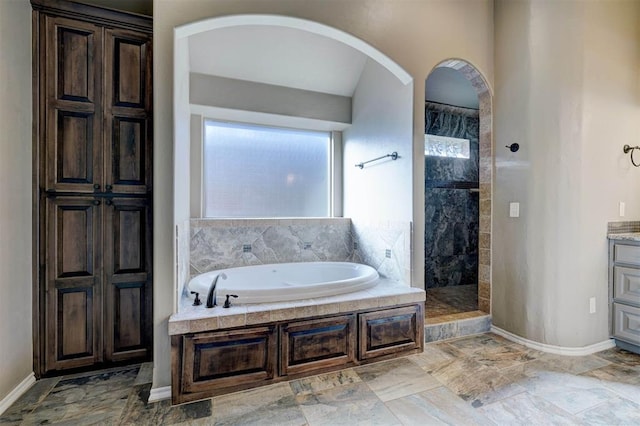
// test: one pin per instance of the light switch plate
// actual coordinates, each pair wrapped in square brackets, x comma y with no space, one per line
[621,208]
[514,209]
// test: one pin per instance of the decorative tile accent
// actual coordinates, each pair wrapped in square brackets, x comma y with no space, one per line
[218,244]
[374,239]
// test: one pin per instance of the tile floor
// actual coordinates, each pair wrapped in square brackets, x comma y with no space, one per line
[443,301]
[476,380]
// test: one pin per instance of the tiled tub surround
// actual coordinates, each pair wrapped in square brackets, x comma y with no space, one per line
[384,245]
[222,350]
[194,319]
[221,243]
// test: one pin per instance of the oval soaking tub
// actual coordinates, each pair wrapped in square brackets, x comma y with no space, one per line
[285,281]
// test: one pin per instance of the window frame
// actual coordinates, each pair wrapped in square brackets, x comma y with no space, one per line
[197,177]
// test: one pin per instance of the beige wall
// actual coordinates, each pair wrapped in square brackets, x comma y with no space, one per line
[415,34]
[382,124]
[567,90]
[16,351]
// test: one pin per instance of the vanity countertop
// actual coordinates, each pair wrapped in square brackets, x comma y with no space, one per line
[625,236]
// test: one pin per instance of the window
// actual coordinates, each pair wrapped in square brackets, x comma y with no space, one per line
[255,171]
[443,146]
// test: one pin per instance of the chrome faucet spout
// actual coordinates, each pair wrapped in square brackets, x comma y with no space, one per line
[211,297]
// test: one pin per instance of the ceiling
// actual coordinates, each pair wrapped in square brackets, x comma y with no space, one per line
[448,86]
[279,56]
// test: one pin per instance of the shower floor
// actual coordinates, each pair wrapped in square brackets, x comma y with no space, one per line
[451,303]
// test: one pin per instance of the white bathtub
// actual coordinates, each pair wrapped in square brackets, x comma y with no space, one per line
[285,281]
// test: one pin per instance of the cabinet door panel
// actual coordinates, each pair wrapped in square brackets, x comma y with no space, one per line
[317,344]
[73,142]
[629,254]
[391,331]
[127,265]
[129,160]
[627,323]
[228,358]
[626,285]
[73,282]
[128,111]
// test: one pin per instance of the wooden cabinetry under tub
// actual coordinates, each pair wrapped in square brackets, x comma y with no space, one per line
[390,331]
[307,346]
[223,360]
[216,362]
[624,292]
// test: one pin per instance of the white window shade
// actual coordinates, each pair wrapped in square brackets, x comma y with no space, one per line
[254,171]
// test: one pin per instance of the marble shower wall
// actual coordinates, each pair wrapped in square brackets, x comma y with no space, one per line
[451,209]
[386,246]
[217,244]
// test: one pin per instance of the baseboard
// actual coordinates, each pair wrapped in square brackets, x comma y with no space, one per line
[553,349]
[160,394]
[17,392]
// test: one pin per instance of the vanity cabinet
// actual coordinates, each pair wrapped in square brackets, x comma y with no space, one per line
[624,293]
[212,363]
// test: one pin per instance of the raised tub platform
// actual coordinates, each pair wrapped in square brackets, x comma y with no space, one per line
[216,351]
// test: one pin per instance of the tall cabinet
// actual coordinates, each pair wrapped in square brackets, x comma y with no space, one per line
[92,186]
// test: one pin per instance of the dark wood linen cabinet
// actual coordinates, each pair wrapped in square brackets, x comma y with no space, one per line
[92,186]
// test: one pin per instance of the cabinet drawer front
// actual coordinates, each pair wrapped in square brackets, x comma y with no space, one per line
[231,358]
[391,331]
[626,284]
[316,344]
[626,254]
[626,323]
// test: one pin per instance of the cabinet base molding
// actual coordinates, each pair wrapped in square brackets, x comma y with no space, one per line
[210,363]
[553,349]
[628,346]
[159,394]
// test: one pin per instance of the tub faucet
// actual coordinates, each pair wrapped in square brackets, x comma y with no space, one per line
[211,297]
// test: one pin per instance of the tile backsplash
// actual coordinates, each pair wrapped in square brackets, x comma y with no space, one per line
[221,243]
[384,245]
[218,244]
[622,227]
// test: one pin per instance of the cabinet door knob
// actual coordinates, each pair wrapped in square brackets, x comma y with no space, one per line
[109,202]
[96,202]
[96,186]
[108,187]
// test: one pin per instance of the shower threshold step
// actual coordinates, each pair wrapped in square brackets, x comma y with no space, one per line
[456,325]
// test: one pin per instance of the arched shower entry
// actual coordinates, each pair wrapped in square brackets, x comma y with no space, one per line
[458,192]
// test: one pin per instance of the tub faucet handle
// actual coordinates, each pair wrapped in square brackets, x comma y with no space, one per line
[197,301]
[227,302]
